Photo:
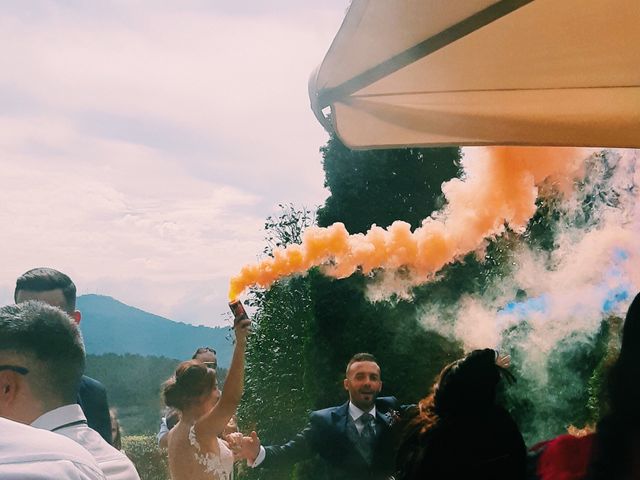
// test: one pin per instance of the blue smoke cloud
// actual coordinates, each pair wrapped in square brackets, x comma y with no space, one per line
[615,289]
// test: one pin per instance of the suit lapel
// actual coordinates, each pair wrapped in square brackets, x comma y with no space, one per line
[339,418]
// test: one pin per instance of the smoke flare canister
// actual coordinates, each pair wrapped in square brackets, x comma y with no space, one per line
[239,312]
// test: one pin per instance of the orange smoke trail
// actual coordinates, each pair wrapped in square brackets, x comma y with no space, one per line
[499,188]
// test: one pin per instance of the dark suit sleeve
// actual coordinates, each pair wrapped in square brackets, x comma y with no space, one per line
[297,449]
[92,397]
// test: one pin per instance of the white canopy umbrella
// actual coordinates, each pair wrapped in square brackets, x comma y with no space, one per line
[483,72]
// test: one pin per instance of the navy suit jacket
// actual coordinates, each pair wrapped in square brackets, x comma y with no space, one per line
[326,436]
[92,397]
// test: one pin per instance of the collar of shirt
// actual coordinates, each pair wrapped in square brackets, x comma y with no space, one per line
[59,417]
[356,412]
[31,453]
[69,421]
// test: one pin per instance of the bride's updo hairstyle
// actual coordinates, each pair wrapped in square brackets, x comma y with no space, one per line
[191,382]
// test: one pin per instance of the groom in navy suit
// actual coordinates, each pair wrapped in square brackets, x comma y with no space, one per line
[354,439]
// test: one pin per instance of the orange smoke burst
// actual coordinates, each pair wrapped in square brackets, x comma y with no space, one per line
[499,188]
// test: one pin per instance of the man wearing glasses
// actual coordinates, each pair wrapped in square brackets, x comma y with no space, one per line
[206,355]
[42,359]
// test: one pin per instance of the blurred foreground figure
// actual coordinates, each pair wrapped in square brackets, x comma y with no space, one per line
[116,430]
[613,452]
[42,359]
[459,430]
[28,453]
[55,288]
[617,445]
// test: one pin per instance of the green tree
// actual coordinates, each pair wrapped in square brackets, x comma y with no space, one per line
[380,186]
[308,327]
[133,385]
[276,400]
[367,187]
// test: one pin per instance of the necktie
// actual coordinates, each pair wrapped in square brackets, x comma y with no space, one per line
[367,436]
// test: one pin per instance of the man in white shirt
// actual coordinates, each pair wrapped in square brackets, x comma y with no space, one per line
[27,453]
[43,357]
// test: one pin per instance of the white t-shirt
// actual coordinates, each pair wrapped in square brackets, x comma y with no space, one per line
[71,422]
[27,453]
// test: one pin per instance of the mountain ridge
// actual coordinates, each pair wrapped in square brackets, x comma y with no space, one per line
[111,326]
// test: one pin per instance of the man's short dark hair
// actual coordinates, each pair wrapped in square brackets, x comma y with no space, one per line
[203,350]
[50,338]
[43,279]
[360,357]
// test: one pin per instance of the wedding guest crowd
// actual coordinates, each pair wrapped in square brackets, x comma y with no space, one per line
[52,417]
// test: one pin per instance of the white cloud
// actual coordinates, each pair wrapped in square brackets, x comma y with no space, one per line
[141,148]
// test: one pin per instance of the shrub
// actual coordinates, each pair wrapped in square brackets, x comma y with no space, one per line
[150,461]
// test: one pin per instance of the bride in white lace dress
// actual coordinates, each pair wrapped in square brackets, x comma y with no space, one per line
[195,450]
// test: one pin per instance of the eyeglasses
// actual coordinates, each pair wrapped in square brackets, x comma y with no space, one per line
[15,368]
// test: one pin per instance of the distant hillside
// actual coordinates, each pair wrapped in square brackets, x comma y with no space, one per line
[110,326]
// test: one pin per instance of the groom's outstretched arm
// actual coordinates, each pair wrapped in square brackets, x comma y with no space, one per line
[298,448]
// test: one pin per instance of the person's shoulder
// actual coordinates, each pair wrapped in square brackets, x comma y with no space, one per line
[92,393]
[88,383]
[327,412]
[387,403]
[499,417]
[110,459]
[26,445]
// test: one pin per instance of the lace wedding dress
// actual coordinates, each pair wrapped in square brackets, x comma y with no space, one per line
[221,465]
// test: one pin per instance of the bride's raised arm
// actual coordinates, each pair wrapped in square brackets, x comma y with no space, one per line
[213,423]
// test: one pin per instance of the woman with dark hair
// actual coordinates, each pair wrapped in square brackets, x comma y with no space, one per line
[459,431]
[195,450]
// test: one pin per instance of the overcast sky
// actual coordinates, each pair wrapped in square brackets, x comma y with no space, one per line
[143,142]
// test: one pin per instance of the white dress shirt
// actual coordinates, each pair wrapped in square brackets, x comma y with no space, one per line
[355,414]
[164,429]
[71,422]
[27,453]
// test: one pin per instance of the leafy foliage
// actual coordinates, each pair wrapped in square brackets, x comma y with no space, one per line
[308,327]
[287,227]
[381,186]
[377,186]
[276,401]
[150,461]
